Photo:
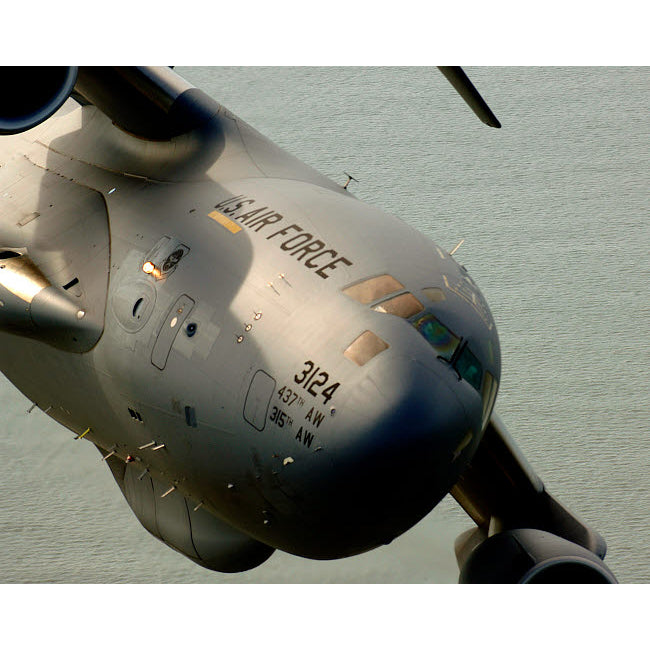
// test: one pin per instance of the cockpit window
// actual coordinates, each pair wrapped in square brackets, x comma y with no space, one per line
[365,347]
[441,338]
[434,294]
[370,290]
[462,359]
[489,394]
[469,368]
[404,305]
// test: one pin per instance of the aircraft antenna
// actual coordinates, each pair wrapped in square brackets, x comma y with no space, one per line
[457,246]
[350,178]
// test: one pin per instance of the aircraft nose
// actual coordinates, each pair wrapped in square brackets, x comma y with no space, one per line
[395,452]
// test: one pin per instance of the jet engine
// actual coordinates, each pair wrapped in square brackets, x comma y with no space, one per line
[526,555]
[35,94]
[523,533]
[154,104]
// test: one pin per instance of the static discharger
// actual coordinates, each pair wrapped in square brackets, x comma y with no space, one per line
[81,435]
[200,505]
[109,454]
[143,474]
[157,447]
[171,489]
[149,444]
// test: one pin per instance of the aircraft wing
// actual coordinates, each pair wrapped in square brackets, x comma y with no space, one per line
[465,88]
[502,494]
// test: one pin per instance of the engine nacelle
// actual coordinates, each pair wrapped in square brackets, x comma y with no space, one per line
[526,555]
[32,95]
[151,103]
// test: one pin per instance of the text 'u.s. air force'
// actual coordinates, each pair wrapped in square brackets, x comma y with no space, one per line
[303,246]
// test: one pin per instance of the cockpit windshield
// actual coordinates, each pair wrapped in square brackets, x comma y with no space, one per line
[441,338]
[373,289]
[448,347]
[469,368]
[404,305]
[385,294]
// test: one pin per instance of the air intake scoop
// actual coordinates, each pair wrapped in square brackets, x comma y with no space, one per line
[32,307]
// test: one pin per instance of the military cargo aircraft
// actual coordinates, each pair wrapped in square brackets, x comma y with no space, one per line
[262,360]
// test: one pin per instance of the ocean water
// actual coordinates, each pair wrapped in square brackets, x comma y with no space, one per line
[554,211]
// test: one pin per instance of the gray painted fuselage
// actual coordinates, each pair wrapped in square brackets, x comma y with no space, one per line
[264,421]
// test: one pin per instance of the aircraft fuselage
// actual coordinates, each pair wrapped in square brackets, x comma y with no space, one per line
[309,369]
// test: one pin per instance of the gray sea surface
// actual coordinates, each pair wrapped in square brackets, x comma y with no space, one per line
[555,214]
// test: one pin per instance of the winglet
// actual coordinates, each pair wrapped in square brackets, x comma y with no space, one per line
[465,88]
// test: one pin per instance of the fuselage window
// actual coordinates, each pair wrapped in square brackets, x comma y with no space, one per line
[441,338]
[404,305]
[374,289]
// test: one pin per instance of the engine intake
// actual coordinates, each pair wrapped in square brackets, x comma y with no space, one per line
[34,95]
[150,103]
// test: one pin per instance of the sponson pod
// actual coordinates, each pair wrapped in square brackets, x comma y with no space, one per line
[183,525]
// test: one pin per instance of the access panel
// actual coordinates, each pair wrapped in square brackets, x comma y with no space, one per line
[257,399]
[171,327]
